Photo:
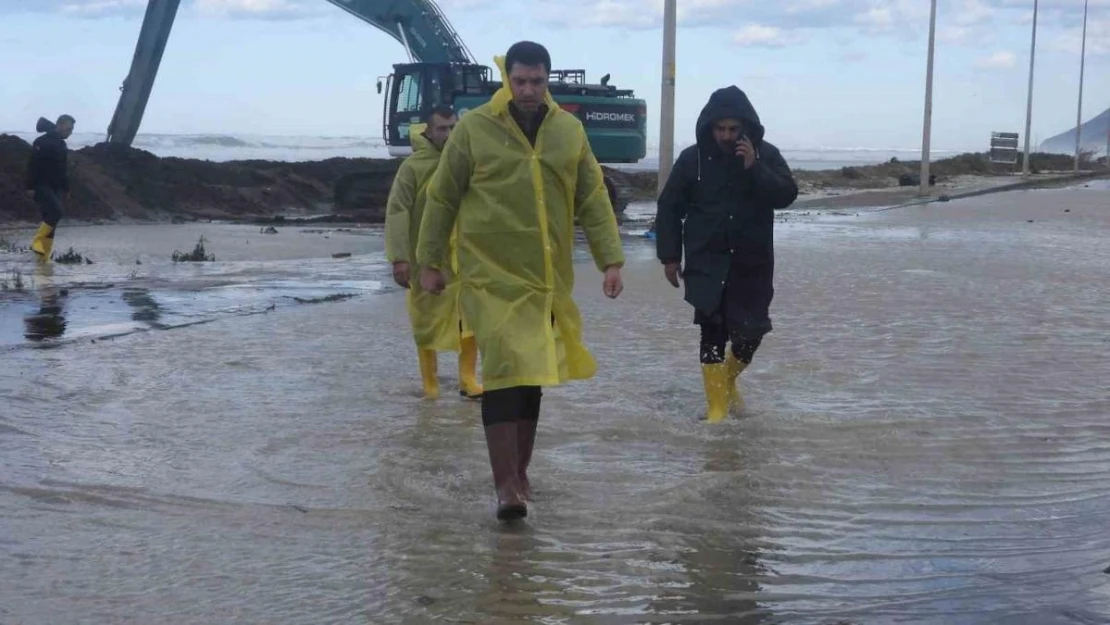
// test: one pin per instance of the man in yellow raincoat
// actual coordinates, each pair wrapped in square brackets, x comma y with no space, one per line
[436,323]
[514,176]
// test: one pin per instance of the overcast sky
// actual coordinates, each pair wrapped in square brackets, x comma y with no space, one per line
[822,73]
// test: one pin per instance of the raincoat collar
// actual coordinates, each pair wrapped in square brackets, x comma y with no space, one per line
[420,143]
[499,103]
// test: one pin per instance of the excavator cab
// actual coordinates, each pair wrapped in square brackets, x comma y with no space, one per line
[413,89]
[614,119]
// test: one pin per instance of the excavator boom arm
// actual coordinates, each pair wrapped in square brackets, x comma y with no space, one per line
[418,24]
[144,68]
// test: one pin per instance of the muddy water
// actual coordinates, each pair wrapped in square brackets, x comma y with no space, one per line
[926,442]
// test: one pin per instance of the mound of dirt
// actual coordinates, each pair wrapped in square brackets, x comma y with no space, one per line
[110,182]
[15,204]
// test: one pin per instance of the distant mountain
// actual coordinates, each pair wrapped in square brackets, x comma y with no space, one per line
[1093,137]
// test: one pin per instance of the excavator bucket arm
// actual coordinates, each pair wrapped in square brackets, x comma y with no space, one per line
[144,69]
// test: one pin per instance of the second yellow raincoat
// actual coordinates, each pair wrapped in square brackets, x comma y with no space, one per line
[514,206]
[435,319]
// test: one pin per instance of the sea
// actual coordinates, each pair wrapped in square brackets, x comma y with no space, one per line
[232,147]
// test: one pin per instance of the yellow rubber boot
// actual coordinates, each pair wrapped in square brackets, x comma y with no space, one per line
[43,243]
[428,365]
[716,378]
[735,368]
[468,365]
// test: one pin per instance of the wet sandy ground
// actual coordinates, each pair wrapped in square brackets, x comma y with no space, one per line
[926,442]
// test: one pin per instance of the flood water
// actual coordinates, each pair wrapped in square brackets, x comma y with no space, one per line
[927,438]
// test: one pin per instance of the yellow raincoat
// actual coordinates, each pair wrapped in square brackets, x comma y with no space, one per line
[435,319]
[514,208]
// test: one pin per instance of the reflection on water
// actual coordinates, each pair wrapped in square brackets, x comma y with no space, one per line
[147,310]
[49,321]
[925,442]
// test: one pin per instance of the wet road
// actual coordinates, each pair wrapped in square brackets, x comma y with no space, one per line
[926,442]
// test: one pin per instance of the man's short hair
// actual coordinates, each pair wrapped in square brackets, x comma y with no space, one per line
[443,110]
[527,53]
[65,118]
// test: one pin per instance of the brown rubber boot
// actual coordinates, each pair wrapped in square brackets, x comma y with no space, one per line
[501,441]
[526,440]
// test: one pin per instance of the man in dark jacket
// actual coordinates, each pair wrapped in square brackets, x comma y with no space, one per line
[48,178]
[718,206]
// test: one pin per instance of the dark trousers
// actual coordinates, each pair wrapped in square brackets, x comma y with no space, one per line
[714,339]
[506,405]
[50,205]
[743,317]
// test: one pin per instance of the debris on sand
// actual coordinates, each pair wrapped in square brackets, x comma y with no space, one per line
[198,255]
[14,282]
[9,247]
[71,257]
[337,297]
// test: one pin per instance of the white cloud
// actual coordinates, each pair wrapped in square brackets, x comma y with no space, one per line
[255,8]
[449,5]
[1098,38]
[958,21]
[887,16]
[967,21]
[100,7]
[852,56]
[877,17]
[956,34]
[974,12]
[635,14]
[802,6]
[998,60]
[760,36]
[598,13]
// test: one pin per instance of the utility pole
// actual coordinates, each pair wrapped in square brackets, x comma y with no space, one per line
[1029,99]
[1079,106]
[666,101]
[928,123]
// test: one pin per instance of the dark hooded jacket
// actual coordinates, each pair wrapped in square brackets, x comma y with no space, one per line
[48,165]
[719,213]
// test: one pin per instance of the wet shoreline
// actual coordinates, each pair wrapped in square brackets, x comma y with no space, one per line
[925,442]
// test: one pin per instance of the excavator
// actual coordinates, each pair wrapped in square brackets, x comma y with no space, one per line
[441,70]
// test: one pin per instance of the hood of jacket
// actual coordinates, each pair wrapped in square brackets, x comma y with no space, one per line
[728,103]
[420,143]
[45,125]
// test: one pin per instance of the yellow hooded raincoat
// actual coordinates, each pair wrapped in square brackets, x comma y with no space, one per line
[514,207]
[435,319]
